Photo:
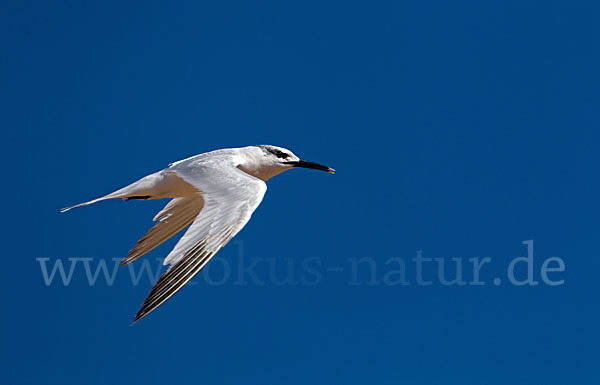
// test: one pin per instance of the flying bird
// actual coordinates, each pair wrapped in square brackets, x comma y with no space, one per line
[215,193]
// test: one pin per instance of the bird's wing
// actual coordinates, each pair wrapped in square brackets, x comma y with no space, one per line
[230,196]
[176,215]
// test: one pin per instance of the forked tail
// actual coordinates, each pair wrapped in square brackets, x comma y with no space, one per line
[109,196]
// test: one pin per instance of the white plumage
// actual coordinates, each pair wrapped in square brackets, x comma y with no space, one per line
[216,192]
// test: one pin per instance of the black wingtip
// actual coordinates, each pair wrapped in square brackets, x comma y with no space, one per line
[138,317]
[144,197]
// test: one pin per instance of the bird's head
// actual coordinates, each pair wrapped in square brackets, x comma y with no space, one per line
[269,161]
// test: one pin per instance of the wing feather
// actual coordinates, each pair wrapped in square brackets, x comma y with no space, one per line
[230,196]
[176,215]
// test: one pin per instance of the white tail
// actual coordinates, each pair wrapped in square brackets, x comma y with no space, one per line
[153,186]
[109,196]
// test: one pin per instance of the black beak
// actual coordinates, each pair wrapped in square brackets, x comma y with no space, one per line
[313,165]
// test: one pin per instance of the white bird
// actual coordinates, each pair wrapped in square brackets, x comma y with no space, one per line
[216,192]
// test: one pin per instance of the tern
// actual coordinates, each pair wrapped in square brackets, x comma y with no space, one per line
[215,193]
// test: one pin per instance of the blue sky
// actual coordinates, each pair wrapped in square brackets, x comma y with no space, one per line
[461,129]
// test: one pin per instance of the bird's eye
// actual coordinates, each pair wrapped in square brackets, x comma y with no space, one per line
[277,153]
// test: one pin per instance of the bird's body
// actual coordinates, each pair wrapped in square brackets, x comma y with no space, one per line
[216,192]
